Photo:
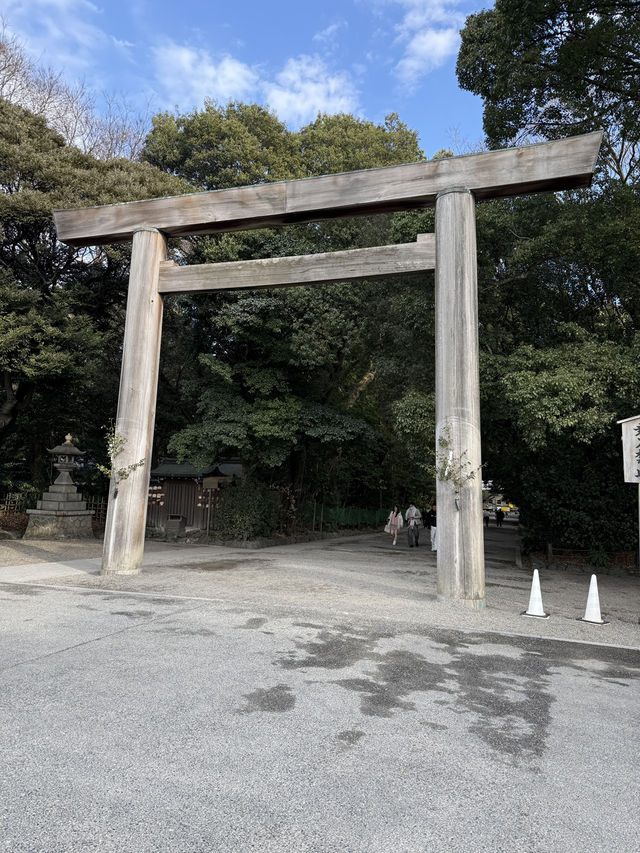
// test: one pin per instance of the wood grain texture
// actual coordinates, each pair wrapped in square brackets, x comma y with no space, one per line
[351,265]
[460,557]
[562,164]
[127,508]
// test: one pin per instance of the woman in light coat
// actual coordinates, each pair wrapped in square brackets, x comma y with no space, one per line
[394,523]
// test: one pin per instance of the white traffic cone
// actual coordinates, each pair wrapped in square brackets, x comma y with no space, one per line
[535,607]
[592,611]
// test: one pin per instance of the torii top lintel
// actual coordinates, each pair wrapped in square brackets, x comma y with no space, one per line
[558,165]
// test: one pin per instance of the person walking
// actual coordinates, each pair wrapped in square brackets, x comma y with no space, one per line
[499,517]
[394,523]
[413,531]
[486,515]
[432,519]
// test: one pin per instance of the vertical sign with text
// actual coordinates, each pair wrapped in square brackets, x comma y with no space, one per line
[631,449]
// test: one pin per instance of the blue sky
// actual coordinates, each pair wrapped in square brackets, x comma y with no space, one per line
[366,57]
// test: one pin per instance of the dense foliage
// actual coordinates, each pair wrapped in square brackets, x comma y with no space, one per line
[559,275]
[302,384]
[61,309]
[248,510]
[553,68]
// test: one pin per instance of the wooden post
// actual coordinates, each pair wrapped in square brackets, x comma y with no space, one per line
[460,534]
[128,498]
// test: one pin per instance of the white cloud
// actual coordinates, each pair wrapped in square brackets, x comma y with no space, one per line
[69,35]
[122,43]
[192,74]
[429,35]
[58,33]
[41,7]
[428,49]
[330,32]
[305,87]
[424,13]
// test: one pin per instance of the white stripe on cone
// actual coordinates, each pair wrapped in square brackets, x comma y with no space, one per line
[535,607]
[592,611]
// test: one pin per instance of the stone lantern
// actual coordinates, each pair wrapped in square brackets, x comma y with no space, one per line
[61,513]
[64,460]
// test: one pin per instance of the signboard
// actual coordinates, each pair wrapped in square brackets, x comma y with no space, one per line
[631,449]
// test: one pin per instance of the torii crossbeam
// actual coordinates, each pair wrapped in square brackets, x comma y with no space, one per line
[452,185]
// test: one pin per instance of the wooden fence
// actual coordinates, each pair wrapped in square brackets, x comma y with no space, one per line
[198,506]
[13,502]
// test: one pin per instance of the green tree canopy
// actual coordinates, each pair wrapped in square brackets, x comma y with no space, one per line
[217,147]
[62,308]
[558,273]
[559,340]
[548,69]
[299,382]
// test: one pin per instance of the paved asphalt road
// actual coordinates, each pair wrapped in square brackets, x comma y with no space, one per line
[149,721]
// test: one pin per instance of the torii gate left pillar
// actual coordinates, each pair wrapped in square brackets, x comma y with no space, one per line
[127,508]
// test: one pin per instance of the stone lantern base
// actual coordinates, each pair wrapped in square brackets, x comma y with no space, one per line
[61,514]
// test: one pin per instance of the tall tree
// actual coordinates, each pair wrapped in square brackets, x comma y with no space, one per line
[70,109]
[558,274]
[559,341]
[553,68]
[221,146]
[62,308]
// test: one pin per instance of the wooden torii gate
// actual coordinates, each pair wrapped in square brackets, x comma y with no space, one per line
[452,185]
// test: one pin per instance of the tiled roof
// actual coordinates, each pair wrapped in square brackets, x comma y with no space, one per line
[169,469]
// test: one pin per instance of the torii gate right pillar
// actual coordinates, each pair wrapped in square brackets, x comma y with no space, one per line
[459,485]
